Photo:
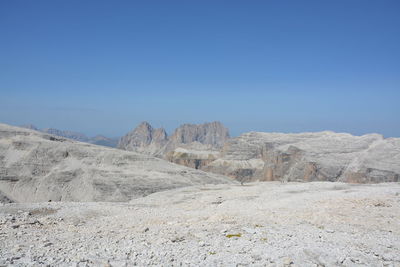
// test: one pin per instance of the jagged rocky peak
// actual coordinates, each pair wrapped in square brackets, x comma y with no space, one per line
[212,133]
[145,139]
[141,135]
[159,135]
[144,135]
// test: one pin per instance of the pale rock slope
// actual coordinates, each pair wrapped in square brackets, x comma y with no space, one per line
[321,156]
[38,167]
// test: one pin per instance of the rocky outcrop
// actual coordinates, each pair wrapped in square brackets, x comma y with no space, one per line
[37,167]
[323,156]
[194,155]
[146,139]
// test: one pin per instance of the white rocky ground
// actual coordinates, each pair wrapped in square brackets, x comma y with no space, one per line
[272,224]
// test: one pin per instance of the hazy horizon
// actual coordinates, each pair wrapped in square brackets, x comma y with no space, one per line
[102,67]
[171,131]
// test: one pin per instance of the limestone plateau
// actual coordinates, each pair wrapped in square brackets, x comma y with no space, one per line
[321,156]
[69,203]
[257,156]
[37,167]
[260,224]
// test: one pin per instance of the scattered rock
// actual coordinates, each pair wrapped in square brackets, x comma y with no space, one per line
[177,239]
[233,235]
[287,261]
[250,230]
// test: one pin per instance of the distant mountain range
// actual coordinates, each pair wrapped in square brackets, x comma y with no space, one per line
[97,140]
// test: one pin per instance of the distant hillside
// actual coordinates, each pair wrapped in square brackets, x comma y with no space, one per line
[97,140]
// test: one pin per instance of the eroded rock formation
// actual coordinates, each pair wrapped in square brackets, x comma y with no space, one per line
[194,155]
[323,156]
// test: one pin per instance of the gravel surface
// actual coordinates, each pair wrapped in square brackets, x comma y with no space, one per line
[259,224]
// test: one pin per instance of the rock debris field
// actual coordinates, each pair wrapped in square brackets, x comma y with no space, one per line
[258,224]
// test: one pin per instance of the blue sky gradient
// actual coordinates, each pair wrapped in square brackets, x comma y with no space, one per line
[282,66]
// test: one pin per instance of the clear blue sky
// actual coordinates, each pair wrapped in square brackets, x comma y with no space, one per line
[283,66]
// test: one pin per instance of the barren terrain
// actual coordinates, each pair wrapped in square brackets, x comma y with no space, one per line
[259,224]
